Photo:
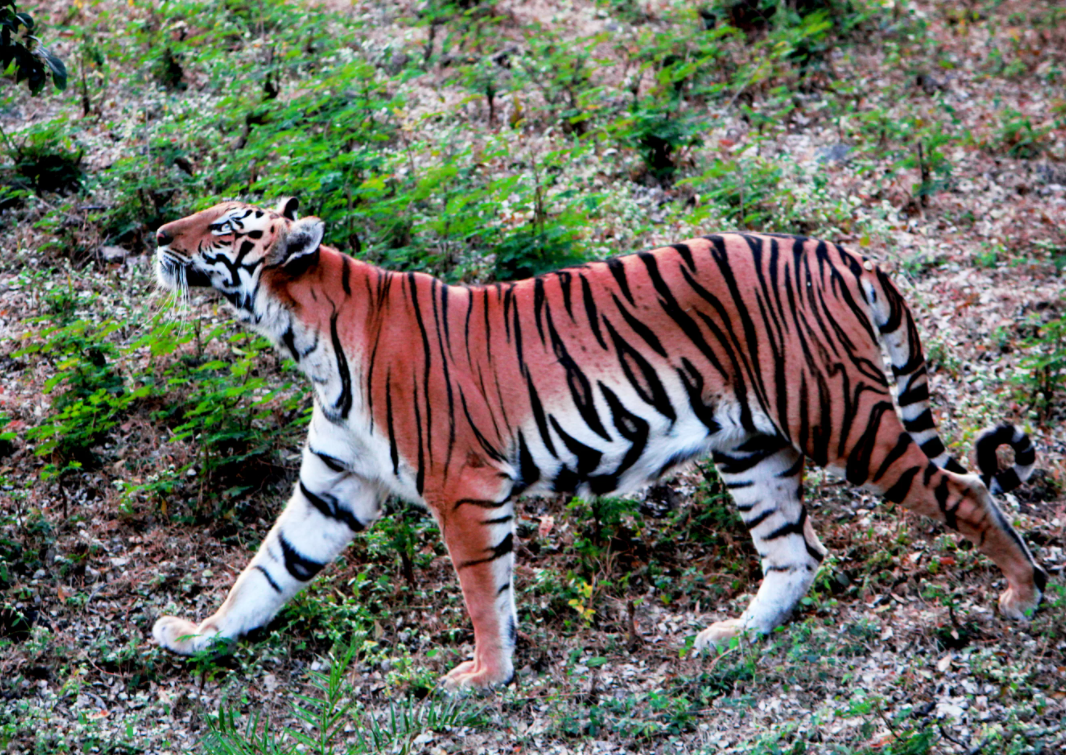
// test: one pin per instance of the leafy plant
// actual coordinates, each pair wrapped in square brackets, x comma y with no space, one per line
[47,160]
[1018,136]
[32,61]
[325,712]
[1044,366]
[94,398]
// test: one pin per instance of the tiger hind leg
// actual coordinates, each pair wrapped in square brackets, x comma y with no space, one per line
[764,474]
[903,474]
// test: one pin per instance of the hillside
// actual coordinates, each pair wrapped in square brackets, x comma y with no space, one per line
[147,444]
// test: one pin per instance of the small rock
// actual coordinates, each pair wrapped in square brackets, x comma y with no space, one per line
[113,253]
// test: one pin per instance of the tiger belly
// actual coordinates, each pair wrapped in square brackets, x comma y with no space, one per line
[644,446]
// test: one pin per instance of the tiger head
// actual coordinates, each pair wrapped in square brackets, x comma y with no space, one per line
[234,248]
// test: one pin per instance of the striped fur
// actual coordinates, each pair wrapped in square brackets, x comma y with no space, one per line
[761,350]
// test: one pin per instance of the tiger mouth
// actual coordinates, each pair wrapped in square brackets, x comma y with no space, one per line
[176,272]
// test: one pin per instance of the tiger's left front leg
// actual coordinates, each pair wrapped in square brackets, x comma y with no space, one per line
[327,508]
[479,533]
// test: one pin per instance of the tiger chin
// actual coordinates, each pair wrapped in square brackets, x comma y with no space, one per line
[761,350]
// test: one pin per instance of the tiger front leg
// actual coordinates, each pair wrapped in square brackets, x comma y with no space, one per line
[479,534]
[327,508]
[765,477]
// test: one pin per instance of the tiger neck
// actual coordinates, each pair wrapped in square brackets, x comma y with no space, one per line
[321,325]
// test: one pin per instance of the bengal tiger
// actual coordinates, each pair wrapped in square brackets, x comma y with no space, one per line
[762,350]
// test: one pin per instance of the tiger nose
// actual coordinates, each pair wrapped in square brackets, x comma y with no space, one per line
[162,237]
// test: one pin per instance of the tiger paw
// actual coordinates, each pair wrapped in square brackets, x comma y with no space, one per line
[472,675]
[183,637]
[1019,604]
[718,635]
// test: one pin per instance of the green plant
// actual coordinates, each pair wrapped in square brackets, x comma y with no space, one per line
[19,48]
[745,191]
[326,711]
[94,398]
[1018,137]
[1044,366]
[46,160]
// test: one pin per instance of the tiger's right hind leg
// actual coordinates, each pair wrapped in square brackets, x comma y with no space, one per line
[764,474]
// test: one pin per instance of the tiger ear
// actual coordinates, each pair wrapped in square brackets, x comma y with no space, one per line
[287,207]
[299,248]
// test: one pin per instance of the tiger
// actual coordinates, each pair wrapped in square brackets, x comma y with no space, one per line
[762,350]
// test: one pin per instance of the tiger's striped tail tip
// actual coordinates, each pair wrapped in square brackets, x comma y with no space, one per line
[1024,458]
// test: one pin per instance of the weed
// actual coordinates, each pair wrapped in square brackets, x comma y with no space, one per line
[325,712]
[95,396]
[1044,366]
[46,160]
[1017,136]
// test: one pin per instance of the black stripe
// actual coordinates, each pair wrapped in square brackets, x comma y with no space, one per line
[334,464]
[914,396]
[538,416]
[941,493]
[694,384]
[346,275]
[394,452]
[793,528]
[300,567]
[330,508]
[758,448]
[921,423]
[528,471]
[344,401]
[538,306]
[857,468]
[1040,579]
[642,330]
[686,254]
[902,444]
[631,427]
[898,492]
[933,447]
[761,518]
[288,338]
[565,279]
[269,579]
[427,372]
[647,385]
[618,270]
[487,447]
[591,312]
[813,552]
[504,547]
[953,466]
[793,470]
[580,387]
[588,458]
[1008,480]
[480,503]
